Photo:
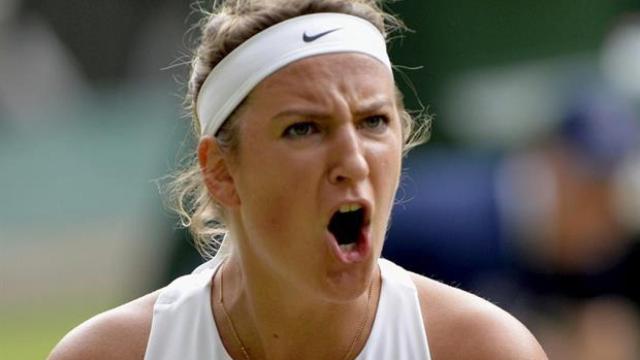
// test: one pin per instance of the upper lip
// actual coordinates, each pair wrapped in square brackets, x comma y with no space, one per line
[364,203]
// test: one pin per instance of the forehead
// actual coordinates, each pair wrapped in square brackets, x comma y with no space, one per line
[350,75]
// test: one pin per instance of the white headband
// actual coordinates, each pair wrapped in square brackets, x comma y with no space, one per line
[270,50]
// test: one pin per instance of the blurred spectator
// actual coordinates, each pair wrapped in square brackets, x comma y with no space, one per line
[582,231]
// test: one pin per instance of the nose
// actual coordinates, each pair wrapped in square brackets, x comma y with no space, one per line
[348,162]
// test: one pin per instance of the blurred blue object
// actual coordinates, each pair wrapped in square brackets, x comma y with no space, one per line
[449,226]
[602,128]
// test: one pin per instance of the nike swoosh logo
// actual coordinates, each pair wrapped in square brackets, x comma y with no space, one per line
[310,38]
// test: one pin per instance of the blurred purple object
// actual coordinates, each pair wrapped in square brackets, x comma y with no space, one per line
[602,128]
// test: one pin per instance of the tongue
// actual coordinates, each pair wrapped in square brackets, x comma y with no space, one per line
[346,226]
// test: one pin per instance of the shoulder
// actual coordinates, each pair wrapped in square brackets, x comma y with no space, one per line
[120,333]
[460,325]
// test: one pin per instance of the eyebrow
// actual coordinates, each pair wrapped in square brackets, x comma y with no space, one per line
[367,108]
[373,105]
[304,112]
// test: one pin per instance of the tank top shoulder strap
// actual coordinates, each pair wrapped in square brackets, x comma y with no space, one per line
[183,326]
[398,330]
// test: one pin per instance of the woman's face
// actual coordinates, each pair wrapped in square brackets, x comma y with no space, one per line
[318,164]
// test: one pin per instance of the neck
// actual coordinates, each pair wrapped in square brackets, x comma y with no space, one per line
[275,320]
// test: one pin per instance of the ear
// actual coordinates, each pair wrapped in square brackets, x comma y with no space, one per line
[215,173]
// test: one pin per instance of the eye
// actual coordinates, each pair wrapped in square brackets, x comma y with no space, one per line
[300,129]
[376,122]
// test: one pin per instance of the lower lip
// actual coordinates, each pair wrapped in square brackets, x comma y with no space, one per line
[358,254]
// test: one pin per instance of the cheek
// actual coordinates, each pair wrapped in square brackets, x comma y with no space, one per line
[272,215]
[385,182]
[387,164]
[273,190]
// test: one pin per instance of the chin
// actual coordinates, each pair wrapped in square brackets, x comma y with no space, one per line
[349,283]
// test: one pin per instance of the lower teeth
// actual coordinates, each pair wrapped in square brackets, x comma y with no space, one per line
[348,247]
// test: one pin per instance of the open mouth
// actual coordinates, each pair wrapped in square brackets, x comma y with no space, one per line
[346,226]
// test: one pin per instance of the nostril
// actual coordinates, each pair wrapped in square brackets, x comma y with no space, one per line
[349,170]
[340,178]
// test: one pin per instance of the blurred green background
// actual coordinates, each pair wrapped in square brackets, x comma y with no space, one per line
[91,117]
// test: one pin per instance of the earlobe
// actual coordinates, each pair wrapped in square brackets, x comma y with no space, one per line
[215,173]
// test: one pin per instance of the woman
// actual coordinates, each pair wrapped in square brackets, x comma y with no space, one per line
[302,132]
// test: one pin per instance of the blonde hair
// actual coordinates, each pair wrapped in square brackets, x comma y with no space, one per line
[228,25]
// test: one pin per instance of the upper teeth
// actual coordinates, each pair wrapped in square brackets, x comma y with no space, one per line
[349,207]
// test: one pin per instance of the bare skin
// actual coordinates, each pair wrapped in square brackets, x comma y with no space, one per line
[317,134]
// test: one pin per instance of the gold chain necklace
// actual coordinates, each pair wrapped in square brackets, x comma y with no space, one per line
[226,315]
[245,353]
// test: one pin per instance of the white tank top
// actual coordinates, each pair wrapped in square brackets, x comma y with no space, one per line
[183,326]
